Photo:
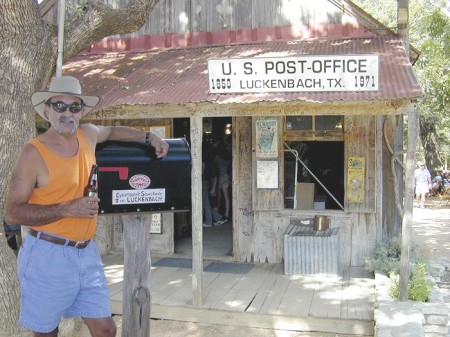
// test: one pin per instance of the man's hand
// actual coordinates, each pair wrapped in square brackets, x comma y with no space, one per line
[161,147]
[85,207]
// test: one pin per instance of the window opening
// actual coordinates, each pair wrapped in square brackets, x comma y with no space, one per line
[311,173]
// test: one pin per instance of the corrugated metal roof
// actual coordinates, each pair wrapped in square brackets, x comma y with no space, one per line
[178,76]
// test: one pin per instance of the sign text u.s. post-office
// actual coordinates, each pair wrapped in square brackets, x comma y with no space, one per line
[294,74]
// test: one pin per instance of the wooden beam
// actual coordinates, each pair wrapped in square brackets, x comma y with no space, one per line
[136,281]
[294,108]
[197,218]
[413,133]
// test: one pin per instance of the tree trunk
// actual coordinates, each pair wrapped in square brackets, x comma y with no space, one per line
[27,64]
[428,136]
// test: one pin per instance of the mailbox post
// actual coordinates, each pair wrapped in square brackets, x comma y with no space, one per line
[132,181]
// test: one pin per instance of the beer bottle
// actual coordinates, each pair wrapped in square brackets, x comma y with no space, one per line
[91,190]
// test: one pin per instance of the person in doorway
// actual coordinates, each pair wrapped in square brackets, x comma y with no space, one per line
[59,267]
[222,161]
[423,183]
[211,215]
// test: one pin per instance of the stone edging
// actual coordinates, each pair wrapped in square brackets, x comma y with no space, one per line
[408,319]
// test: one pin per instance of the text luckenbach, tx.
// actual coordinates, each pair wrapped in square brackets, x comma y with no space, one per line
[294,74]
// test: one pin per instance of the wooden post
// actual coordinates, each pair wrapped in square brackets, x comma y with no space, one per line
[136,278]
[197,219]
[413,133]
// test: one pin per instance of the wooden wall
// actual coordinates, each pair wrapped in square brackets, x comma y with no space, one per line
[183,16]
[260,227]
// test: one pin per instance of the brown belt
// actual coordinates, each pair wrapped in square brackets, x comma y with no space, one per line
[58,241]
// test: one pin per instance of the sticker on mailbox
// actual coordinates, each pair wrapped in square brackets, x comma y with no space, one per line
[139,181]
[129,197]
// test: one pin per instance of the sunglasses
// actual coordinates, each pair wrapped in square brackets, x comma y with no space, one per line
[61,107]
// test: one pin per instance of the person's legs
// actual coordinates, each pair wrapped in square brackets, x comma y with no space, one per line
[422,200]
[226,199]
[101,327]
[206,205]
[92,303]
[48,285]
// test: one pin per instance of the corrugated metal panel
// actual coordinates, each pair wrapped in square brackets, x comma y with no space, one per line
[179,76]
[307,253]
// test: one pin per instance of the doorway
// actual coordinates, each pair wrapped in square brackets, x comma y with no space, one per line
[216,188]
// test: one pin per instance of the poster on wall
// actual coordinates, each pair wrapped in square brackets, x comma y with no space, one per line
[266,138]
[356,179]
[267,174]
[155,226]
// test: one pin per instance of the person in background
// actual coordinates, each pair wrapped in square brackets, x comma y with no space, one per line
[222,161]
[59,267]
[423,183]
[211,215]
[437,184]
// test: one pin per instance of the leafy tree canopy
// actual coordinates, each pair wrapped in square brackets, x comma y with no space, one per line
[429,32]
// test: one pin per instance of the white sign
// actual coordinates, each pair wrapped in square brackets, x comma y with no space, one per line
[294,74]
[266,174]
[155,226]
[129,197]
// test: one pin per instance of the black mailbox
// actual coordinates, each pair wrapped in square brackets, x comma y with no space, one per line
[132,179]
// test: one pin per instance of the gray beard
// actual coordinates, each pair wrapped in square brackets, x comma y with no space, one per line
[58,127]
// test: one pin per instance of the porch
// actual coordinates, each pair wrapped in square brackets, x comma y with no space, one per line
[254,295]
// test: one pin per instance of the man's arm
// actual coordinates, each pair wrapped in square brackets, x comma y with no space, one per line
[30,173]
[126,134]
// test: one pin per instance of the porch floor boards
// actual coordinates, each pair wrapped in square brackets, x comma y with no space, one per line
[264,298]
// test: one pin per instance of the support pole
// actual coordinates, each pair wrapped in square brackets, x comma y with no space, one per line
[413,127]
[61,23]
[136,275]
[197,222]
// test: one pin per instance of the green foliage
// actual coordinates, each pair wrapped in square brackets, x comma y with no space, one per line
[429,32]
[386,256]
[78,8]
[419,287]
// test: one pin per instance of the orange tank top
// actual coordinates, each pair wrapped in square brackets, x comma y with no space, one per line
[66,181]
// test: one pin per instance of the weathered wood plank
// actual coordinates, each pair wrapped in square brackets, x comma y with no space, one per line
[264,291]
[215,292]
[136,282]
[298,297]
[327,297]
[360,142]
[264,198]
[245,289]
[355,294]
[164,288]
[290,314]
[245,319]
[242,188]
[197,222]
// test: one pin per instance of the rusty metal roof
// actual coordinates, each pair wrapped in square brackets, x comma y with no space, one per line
[179,76]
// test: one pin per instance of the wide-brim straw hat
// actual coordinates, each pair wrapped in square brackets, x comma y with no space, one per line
[64,85]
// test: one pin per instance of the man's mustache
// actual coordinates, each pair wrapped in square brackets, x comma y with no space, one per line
[66,119]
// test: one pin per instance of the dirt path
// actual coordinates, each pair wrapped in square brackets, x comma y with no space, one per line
[431,230]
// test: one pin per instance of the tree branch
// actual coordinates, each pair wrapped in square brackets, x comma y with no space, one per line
[102,20]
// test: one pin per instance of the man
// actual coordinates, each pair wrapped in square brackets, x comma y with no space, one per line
[423,183]
[59,267]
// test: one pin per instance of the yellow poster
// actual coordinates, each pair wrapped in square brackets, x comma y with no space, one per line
[356,179]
